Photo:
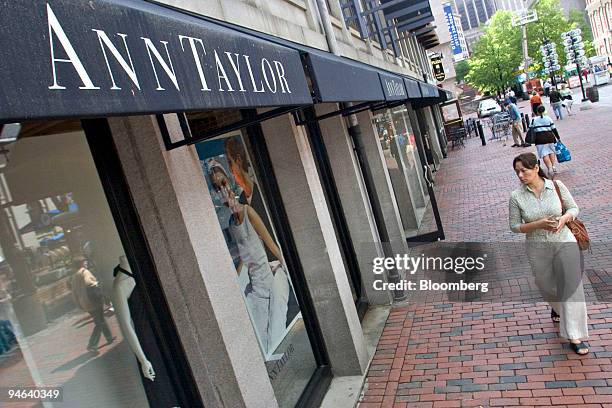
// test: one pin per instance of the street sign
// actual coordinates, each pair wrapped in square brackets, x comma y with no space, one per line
[523,17]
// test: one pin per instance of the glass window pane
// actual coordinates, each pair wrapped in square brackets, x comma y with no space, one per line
[65,319]
[266,285]
[405,169]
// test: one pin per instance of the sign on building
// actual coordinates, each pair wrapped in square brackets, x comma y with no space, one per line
[437,67]
[455,42]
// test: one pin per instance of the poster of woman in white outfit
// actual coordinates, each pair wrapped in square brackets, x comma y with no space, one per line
[259,261]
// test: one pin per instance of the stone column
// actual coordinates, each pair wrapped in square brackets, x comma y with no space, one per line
[193,264]
[357,210]
[315,239]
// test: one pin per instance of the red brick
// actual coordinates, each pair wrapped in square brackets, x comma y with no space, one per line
[554,392]
[579,391]
[517,394]
[598,399]
[536,401]
[432,397]
[531,386]
[447,404]
[503,402]
[576,399]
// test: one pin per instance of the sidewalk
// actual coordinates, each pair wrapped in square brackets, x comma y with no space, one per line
[436,353]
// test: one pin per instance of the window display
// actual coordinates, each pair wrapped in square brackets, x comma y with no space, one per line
[405,169]
[71,312]
[260,267]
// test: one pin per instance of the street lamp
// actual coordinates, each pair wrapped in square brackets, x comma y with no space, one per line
[574,51]
[521,19]
[550,59]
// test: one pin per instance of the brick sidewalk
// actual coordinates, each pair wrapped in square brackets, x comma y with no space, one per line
[437,353]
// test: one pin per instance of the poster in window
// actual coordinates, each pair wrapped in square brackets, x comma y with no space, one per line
[250,238]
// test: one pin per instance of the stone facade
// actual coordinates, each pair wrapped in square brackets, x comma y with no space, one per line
[600,17]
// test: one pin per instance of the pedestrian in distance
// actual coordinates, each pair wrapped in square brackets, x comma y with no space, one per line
[547,86]
[517,127]
[568,99]
[535,101]
[546,134]
[88,296]
[556,103]
[540,209]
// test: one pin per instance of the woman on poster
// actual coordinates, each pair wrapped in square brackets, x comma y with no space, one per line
[267,295]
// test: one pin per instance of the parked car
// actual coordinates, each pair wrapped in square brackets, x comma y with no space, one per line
[488,107]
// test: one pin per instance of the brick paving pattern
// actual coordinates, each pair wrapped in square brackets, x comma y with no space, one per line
[436,352]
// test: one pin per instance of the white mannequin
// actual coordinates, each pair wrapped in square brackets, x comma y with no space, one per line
[123,286]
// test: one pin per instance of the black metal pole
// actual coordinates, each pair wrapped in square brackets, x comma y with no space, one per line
[481,134]
[584,98]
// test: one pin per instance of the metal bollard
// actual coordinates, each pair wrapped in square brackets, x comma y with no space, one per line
[523,122]
[526,125]
[481,133]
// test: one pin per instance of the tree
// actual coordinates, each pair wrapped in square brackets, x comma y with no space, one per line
[551,23]
[462,68]
[497,55]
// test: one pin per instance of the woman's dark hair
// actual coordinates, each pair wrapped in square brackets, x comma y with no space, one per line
[235,149]
[541,110]
[529,160]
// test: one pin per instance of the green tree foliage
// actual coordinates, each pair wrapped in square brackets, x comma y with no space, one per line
[497,55]
[578,19]
[462,68]
[551,23]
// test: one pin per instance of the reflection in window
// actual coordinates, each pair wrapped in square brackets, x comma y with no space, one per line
[71,313]
[397,140]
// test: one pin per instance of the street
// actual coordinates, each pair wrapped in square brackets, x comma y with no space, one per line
[505,350]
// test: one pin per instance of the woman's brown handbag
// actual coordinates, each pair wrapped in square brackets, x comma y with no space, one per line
[576,226]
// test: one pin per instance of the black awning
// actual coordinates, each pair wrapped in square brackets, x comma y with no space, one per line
[337,79]
[393,87]
[404,8]
[69,61]
[446,95]
[413,89]
[330,87]
[429,91]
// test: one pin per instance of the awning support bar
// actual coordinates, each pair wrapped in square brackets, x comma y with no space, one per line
[190,139]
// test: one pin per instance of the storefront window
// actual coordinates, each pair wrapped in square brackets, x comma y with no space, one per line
[267,288]
[71,310]
[405,169]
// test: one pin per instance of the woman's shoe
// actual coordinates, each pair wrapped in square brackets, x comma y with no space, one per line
[555,316]
[580,348]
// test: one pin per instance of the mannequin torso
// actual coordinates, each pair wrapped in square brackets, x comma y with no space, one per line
[123,286]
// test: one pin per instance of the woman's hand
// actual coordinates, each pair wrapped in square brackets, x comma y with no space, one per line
[231,200]
[562,221]
[547,224]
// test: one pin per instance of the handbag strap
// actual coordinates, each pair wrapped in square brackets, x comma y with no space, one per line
[559,195]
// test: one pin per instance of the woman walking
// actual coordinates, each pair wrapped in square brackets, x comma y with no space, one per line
[568,100]
[535,101]
[536,209]
[556,102]
[546,135]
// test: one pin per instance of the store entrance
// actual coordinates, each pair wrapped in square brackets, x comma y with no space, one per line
[431,228]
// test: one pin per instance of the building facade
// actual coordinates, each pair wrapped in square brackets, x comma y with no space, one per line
[453,46]
[600,18]
[193,194]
